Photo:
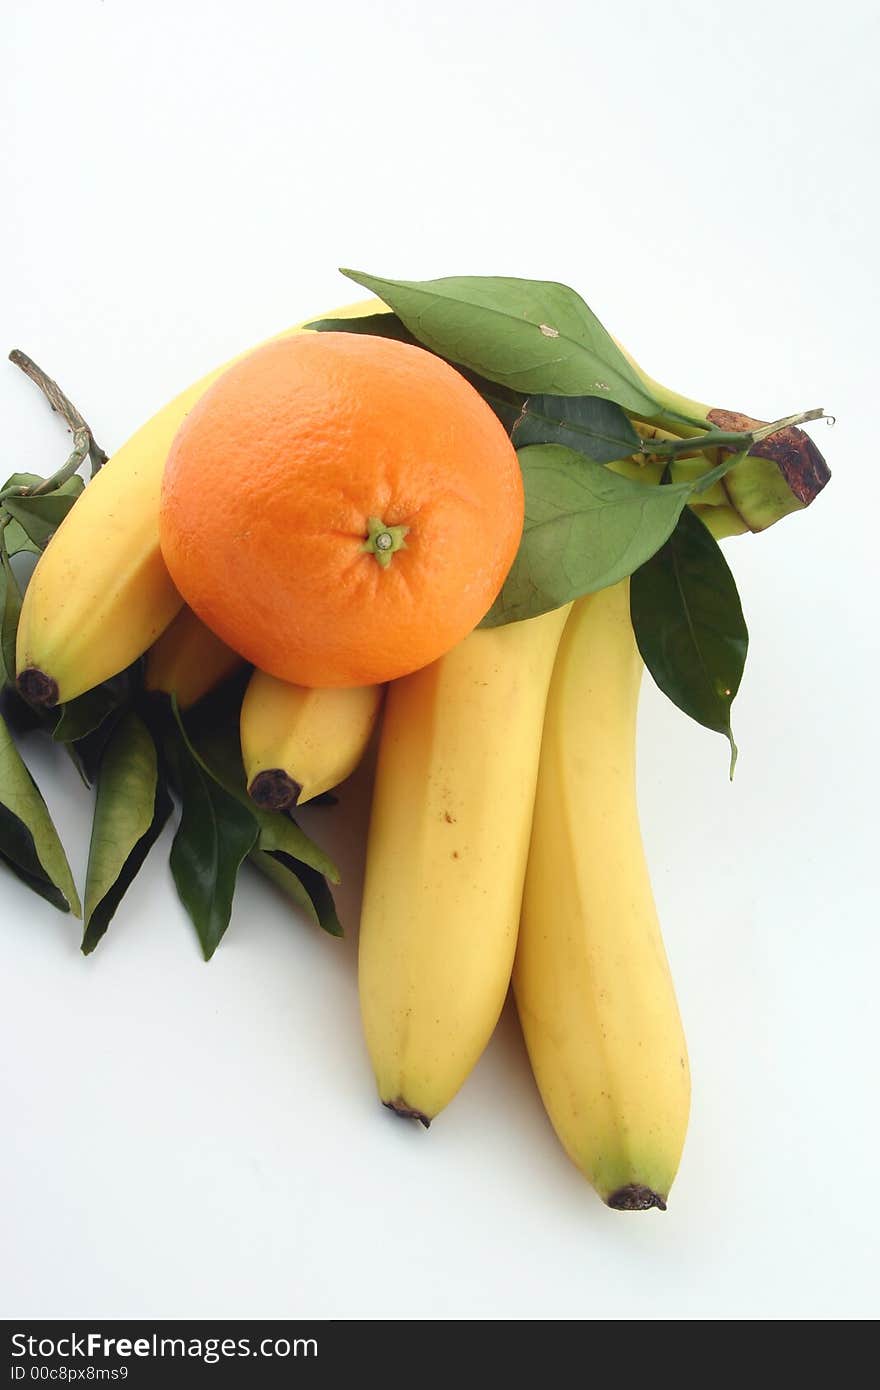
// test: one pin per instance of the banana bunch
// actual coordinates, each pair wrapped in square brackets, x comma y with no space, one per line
[504,812]
[504,840]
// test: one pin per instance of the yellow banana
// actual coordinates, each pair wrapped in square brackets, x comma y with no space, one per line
[721,521]
[297,743]
[100,594]
[591,979]
[446,856]
[189,660]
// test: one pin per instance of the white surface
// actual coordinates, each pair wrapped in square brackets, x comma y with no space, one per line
[182,179]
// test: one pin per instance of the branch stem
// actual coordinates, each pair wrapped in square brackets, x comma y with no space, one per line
[739,440]
[65,408]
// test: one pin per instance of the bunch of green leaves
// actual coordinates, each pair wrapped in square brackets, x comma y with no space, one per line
[31,510]
[221,827]
[137,759]
[603,499]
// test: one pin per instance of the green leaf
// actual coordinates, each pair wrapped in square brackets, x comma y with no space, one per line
[10,611]
[279,833]
[18,854]
[531,335]
[17,540]
[40,517]
[28,840]
[593,427]
[689,625]
[307,888]
[320,895]
[22,480]
[215,835]
[381,325]
[131,807]
[85,714]
[585,528]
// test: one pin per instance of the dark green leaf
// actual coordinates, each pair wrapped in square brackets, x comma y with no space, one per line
[215,835]
[86,752]
[506,403]
[84,725]
[28,839]
[10,611]
[303,884]
[316,886]
[593,427]
[18,854]
[689,625]
[40,517]
[531,335]
[131,807]
[86,713]
[21,717]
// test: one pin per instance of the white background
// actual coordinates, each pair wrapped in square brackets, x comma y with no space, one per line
[180,180]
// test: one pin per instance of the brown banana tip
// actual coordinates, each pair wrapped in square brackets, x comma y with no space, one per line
[37,688]
[792,450]
[634,1197]
[406,1112]
[273,790]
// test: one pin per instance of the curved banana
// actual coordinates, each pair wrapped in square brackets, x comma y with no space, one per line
[100,594]
[297,743]
[189,660]
[446,856]
[591,979]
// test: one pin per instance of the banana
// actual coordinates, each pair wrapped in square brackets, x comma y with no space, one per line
[189,660]
[721,521]
[591,979]
[100,594]
[297,743]
[446,856]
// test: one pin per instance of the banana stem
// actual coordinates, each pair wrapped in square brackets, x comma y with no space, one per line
[68,412]
[738,440]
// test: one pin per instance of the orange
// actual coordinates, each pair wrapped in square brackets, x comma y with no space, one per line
[340,509]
